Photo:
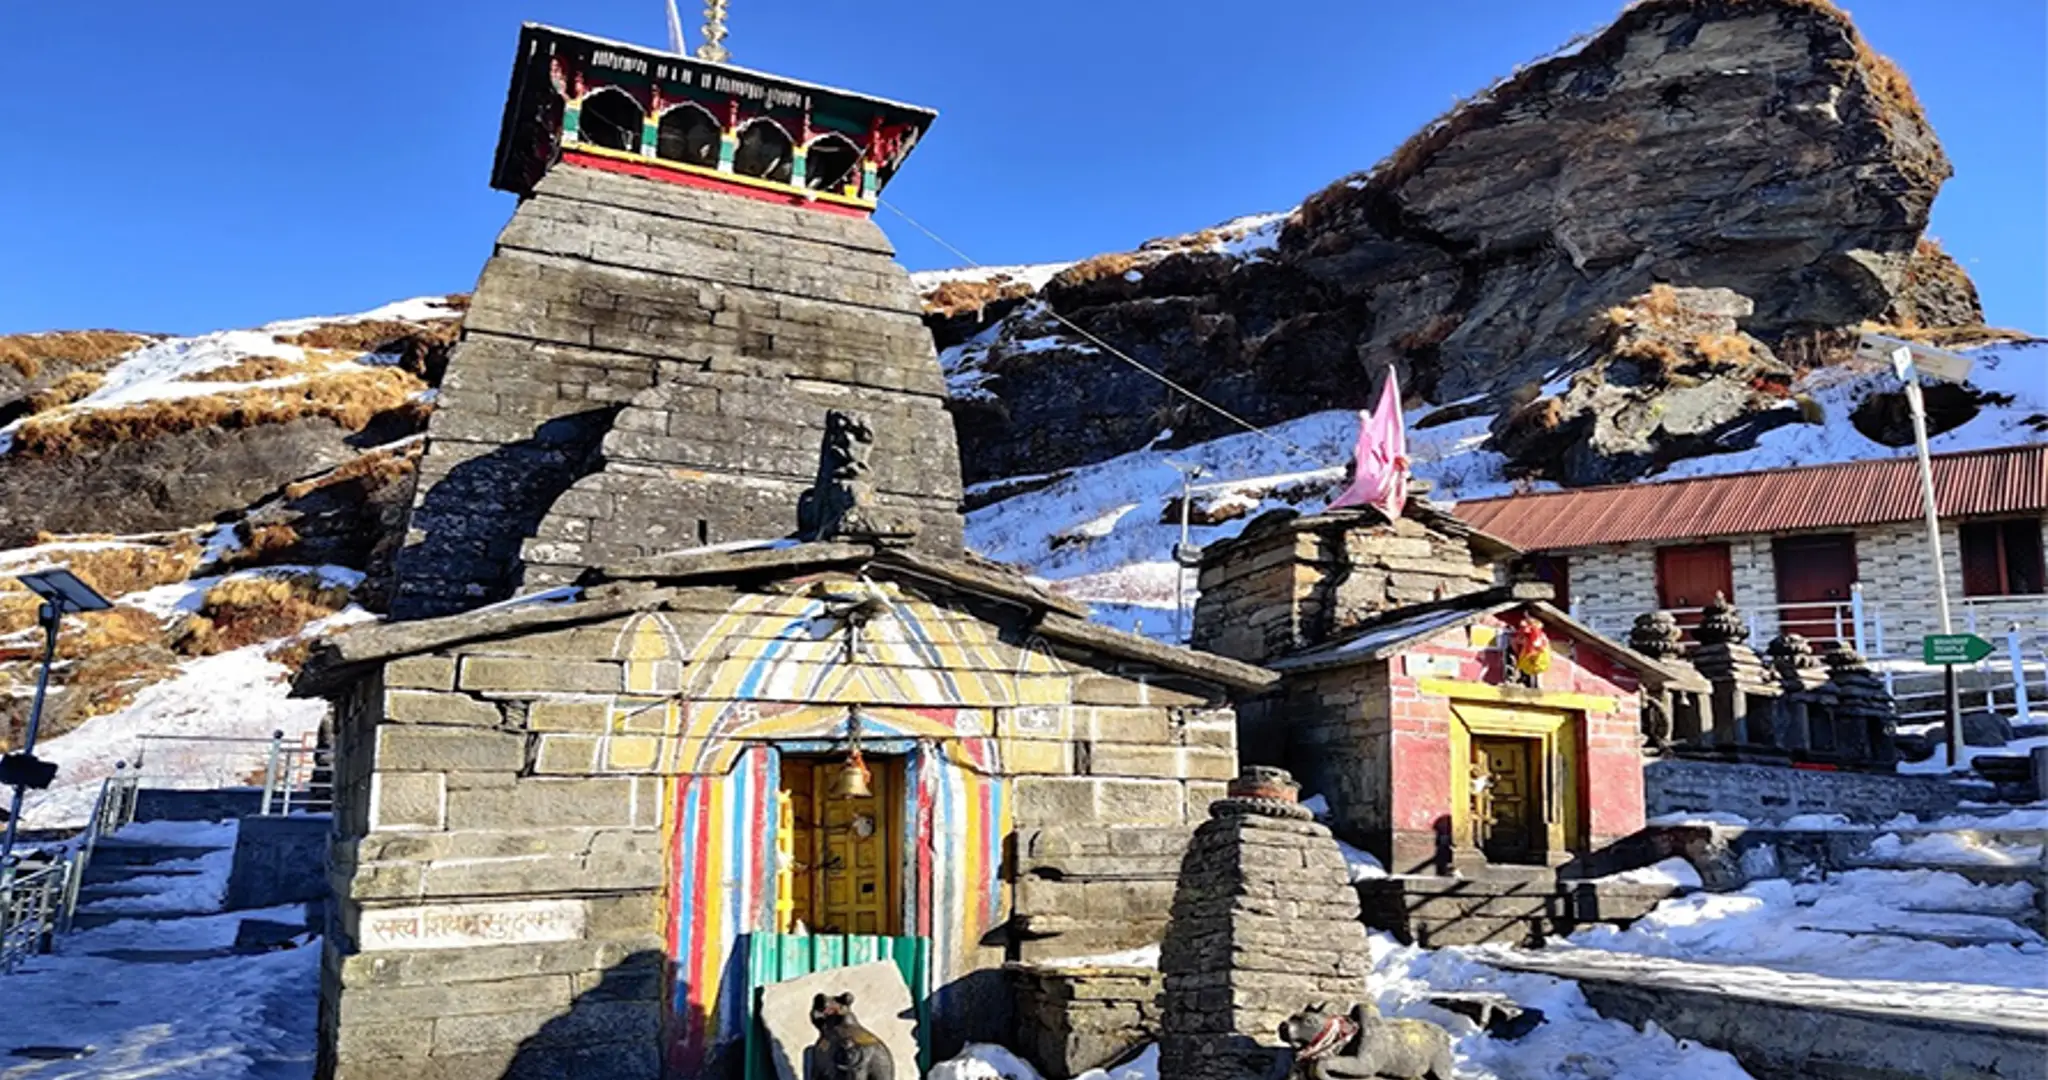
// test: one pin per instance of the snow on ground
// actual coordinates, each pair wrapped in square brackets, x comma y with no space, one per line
[1033,274]
[1675,872]
[163,370]
[1573,1043]
[234,695]
[1144,957]
[983,1061]
[2020,370]
[1948,848]
[1937,763]
[166,997]
[202,890]
[1837,928]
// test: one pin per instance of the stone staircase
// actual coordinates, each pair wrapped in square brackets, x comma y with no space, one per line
[123,869]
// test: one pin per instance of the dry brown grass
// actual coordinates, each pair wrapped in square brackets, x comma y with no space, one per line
[103,681]
[1115,264]
[952,298]
[66,390]
[27,353]
[254,369]
[1658,307]
[262,545]
[1724,349]
[112,572]
[350,398]
[373,471]
[244,611]
[374,335]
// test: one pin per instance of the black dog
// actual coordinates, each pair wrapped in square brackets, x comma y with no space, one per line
[845,1050]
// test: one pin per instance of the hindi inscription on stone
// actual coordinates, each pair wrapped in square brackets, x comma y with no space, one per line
[459,926]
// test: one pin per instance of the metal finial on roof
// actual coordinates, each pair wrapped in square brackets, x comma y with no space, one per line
[713,48]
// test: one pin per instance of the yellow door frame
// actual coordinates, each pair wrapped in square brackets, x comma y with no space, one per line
[1558,733]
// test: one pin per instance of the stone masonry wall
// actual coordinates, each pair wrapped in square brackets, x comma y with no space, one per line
[1770,793]
[1306,581]
[500,867]
[1371,740]
[1265,922]
[1073,1019]
[484,916]
[646,367]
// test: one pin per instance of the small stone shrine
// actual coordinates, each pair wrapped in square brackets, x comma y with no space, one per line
[1864,710]
[1671,715]
[1451,721]
[1806,709]
[1265,921]
[1744,692]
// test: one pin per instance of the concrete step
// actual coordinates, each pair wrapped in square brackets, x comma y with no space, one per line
[1787,1025]
[1981,873]
[116,852]
[98,874]
[93,920]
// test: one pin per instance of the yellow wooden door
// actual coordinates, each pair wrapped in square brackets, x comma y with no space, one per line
[856,875]
[1510,797]
[838,872]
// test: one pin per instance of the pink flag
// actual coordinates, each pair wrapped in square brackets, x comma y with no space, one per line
[1379,471]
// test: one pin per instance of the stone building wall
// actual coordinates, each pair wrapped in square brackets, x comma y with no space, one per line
[646,367]
[506,810]
[1375,740]
[1302,581]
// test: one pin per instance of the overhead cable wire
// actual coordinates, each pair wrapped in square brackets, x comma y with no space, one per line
[1113,350]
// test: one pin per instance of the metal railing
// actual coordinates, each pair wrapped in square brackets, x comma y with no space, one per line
[37,904]
[298,779]
[2013,678]
[293,777]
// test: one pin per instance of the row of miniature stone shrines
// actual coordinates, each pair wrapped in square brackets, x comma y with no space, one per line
[1787,703]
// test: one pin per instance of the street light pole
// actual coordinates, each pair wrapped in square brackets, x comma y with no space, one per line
[50,617]
[1902,363]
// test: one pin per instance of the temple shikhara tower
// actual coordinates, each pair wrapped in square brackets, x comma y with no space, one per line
[691,280]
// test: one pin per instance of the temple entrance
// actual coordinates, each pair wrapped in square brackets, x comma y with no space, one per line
[838,854]
[1505,797]
[1517,769]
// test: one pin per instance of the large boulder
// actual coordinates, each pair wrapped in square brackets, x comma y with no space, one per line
[1759,147]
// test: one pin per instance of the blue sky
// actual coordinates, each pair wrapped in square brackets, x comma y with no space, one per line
[217,163]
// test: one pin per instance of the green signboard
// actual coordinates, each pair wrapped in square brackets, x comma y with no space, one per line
[1953,648]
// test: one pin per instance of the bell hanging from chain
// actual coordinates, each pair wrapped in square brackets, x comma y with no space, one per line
[853,779]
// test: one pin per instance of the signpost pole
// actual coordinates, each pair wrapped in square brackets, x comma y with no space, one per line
[1902,362]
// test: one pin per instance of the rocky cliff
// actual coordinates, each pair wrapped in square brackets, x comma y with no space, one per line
[1756,156]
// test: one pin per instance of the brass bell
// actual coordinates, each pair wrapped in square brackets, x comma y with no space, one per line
[852,781]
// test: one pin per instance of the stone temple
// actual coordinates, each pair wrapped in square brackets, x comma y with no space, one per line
[772,718]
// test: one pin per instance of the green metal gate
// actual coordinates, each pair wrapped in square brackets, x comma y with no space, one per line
[773,958]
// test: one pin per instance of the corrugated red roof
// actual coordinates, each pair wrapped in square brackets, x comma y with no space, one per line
[2006,480]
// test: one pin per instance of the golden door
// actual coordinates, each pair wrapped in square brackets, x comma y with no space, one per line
[840,874]
[1507,832]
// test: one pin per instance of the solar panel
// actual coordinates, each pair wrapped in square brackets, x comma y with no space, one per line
[64,591]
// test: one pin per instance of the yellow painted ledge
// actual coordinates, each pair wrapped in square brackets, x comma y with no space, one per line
[1518,695]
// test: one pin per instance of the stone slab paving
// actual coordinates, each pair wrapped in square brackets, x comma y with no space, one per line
[1785,1024]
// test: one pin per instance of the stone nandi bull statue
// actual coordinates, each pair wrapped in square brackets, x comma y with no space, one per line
[1364,1046]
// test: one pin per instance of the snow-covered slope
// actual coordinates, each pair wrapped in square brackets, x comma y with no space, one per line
[1104,533]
